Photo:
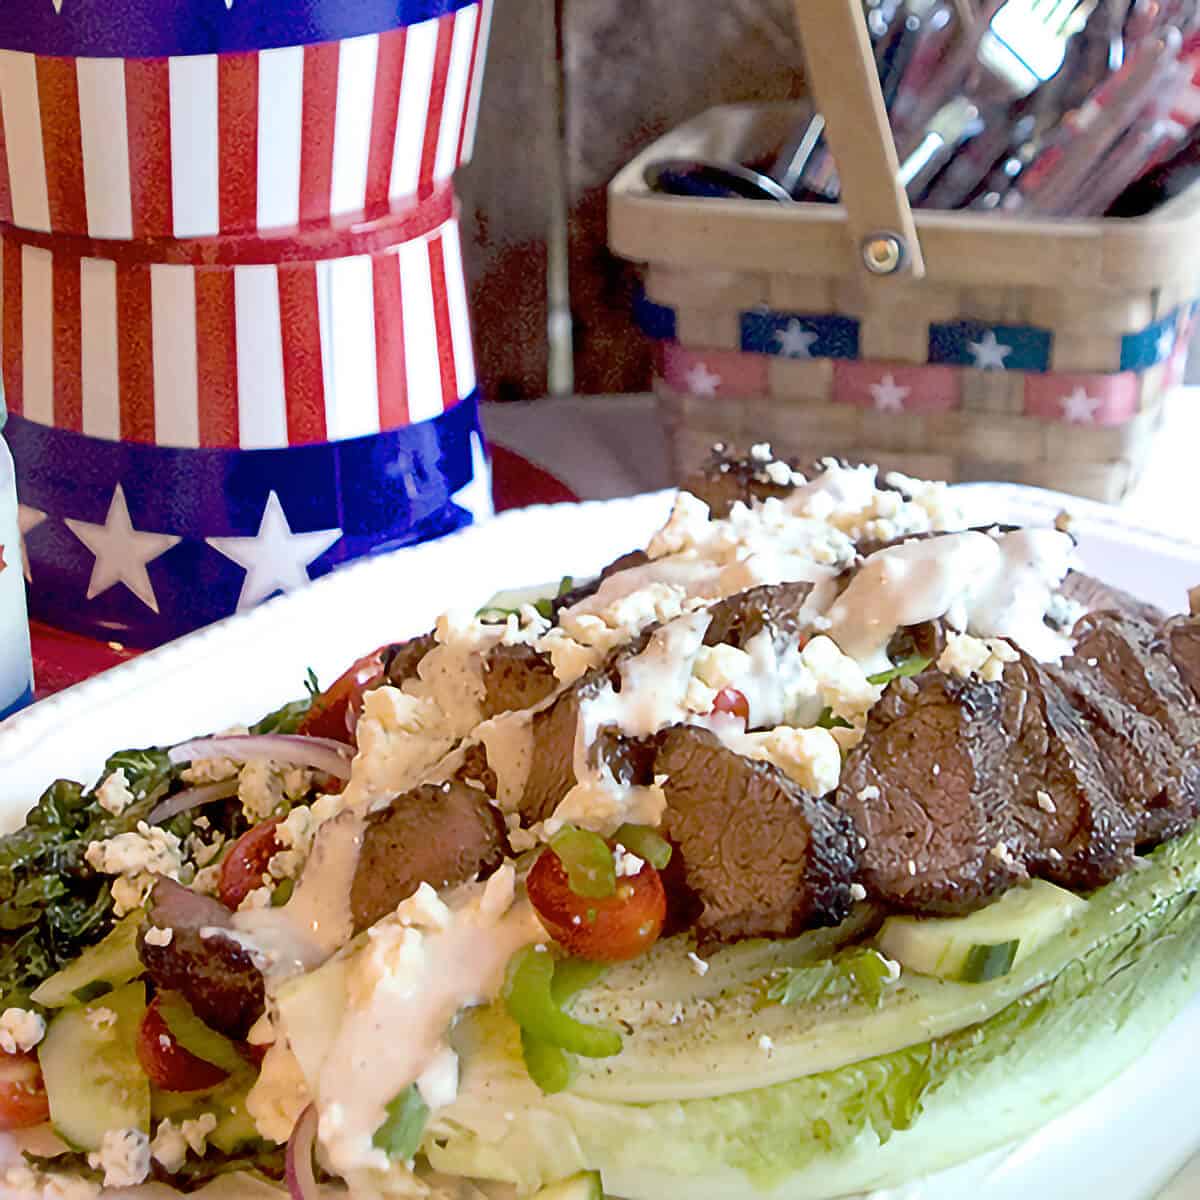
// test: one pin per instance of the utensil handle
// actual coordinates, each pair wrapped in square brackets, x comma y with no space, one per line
[845,84]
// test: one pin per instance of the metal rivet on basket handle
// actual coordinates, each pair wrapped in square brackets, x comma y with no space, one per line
[845,83]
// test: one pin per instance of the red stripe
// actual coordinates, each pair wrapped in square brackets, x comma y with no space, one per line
[135,354]
[441,320]
[58,98]
[14,367]
[389,74]
[389,343]
[466,115]
[148,116]
[68,344]
[5,182]
[303,378]
[216,357]
[318,116]
[237,137]
[437,102]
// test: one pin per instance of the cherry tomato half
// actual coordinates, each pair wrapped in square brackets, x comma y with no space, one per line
[168,1065]
[243,868]
[610,929]
[730,700]
[335,711]
[23,1100]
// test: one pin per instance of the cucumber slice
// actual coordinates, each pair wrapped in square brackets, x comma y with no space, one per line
[511,600]
[113,961]
[93,1078]
[586,1186]
[986,944]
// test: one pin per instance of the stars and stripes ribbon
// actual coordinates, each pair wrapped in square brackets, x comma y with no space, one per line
[250,356]
[141,543]
[168,139]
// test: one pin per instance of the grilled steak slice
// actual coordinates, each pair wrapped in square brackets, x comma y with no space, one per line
[764,858]
[400,662]
[635,558]
[212,972]
[1143,718]
[1096,596]
[725,479]
[1183,644]
[1064,814]
[774,607]
[552,768]
[440,834]
[515,677]
[927,789]
[476,770]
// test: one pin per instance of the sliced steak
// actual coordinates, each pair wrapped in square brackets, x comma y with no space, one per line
[1183,643]
[515,677]
[440,834]
[1143,717]
[1097,596]
[763,858]
[927,789]
[212,972]
[476,770]
[726,479]
[635,558]
[741,617]
[1064,814]
[400,662]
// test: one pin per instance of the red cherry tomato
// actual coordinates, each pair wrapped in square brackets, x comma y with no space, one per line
[730,700]
[611,929]
[168,1065]
[243,868]
[23,1100]
[335,711]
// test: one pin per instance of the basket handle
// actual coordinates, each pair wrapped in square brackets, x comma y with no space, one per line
[845,83]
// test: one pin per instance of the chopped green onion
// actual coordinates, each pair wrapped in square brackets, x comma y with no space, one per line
[400,1134]
[986,962]
[646,843]
[197,1038]
[529,1001]
[588,862]
[904,669]
[828,721]
[548,1066]
[572,976]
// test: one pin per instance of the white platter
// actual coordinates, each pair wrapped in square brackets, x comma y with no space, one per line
[1126,1143]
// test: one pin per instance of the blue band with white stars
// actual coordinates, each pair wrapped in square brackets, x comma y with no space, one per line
[161,28]
[139,543]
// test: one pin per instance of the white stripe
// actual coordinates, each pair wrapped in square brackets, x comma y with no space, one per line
[485,15]
[420,51]
[458,76]
[23,140]
[352,402]
[460,319]
[98,329]
[37,333]
[194,157]
[358,60]
[105,138]
[280,109]
[325,323]
[262,403]
[420,332]
[176,383]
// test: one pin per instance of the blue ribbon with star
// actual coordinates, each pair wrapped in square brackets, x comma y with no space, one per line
[142,543]
[162,28]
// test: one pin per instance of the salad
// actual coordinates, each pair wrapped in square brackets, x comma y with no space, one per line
[820,844]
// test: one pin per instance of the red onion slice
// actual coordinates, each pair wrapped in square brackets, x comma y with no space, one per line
[290,749]
[301,1179]
[191,798]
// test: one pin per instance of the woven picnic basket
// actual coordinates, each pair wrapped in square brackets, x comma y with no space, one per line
[951,345]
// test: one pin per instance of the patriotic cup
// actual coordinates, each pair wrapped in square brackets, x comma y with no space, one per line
[236,344]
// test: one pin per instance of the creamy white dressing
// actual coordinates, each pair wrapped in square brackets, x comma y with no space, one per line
[418,970]
[989,586]
[508,740]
